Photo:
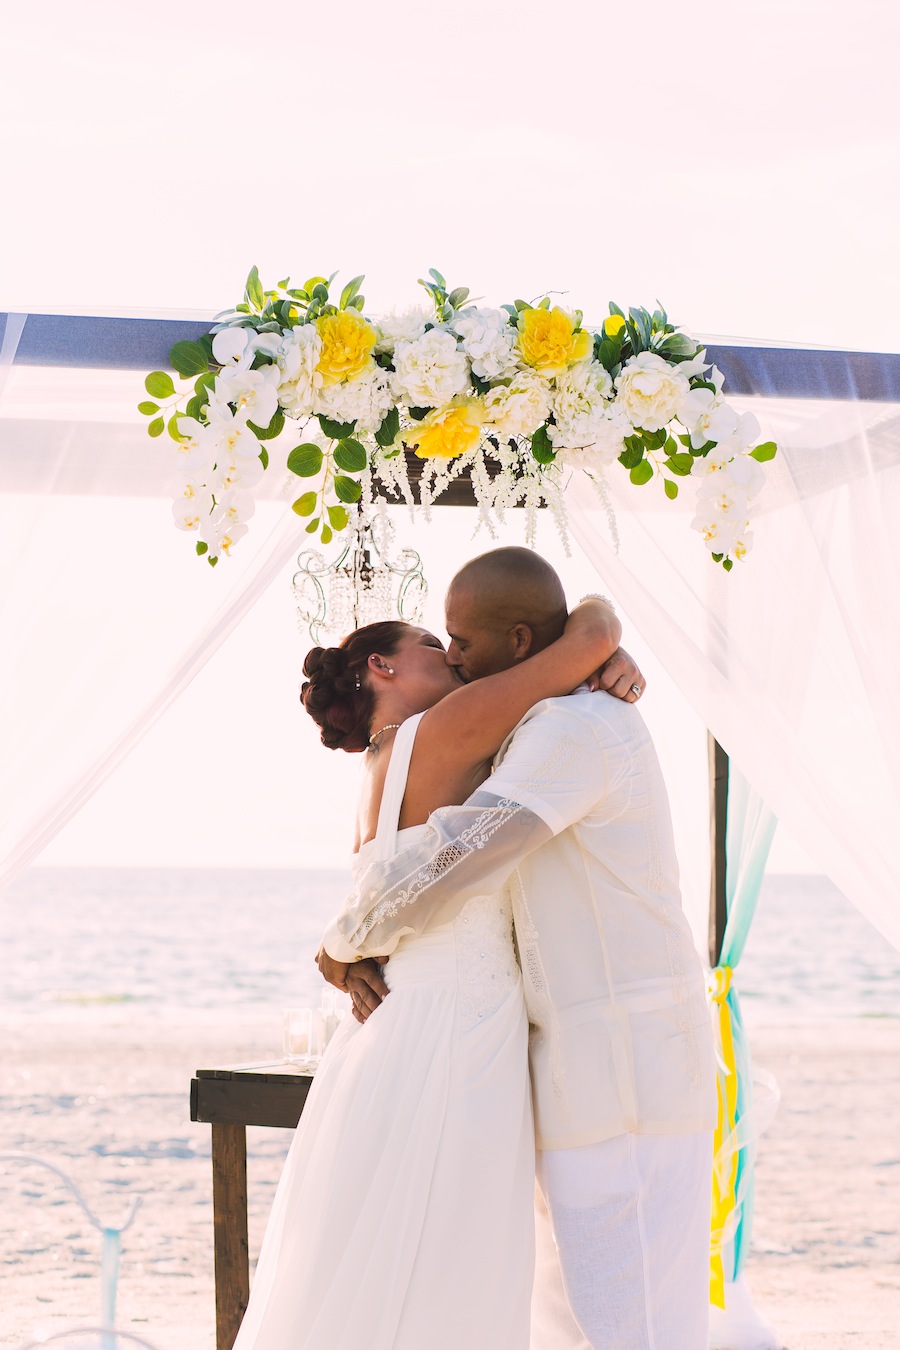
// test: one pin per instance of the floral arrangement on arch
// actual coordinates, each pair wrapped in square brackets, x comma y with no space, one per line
[519,396]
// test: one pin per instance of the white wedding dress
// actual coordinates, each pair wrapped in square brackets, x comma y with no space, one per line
[403,1219]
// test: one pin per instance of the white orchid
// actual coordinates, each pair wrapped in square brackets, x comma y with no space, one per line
[229,345]
[705,417]
[695,366]
[251,392]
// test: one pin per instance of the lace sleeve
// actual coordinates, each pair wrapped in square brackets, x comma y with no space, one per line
[465,851]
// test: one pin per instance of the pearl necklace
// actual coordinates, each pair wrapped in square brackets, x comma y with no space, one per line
[391,726]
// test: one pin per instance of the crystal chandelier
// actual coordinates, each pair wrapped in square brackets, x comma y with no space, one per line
[364,584]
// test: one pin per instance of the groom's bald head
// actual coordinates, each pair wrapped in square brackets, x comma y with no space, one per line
[501,608]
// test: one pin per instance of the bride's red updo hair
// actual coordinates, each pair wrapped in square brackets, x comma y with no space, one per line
[336,691]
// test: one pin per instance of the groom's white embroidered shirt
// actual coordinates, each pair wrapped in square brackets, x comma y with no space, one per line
[576,818]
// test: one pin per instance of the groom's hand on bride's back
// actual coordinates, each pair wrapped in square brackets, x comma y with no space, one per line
[618,677]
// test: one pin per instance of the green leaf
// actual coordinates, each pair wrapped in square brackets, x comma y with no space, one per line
[350,455]
[350,290]
[205,383]
[433,272]
[275,427]
[336,430]
[641,320]
[347,489]
[633,452]
[157,426]
[148,409]
[313,525]
[671,488]
[189,359]
[320,293]
[728,563]
[172,428]
[479,385]
[680,464]
[254,290]
[201,548]
[387,432]
[717,557]
[339,517]
[305,460]
[310,286]
[458,296]
[212,561]
[418,413]
[264,457]
[654,440]
[642,473]
[305,505]
[327,534]
[768,450]
[159,384]
[542,446]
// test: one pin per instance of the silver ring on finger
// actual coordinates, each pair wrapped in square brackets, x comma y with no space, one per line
[636,690]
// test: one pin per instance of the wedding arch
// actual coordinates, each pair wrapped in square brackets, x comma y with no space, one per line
[789,659]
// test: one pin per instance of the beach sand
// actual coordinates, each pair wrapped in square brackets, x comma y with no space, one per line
[109,1104]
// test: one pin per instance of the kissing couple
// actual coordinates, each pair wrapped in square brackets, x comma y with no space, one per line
[527,999]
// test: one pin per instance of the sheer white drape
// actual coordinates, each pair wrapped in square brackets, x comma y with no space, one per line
[790,659]
[104,614]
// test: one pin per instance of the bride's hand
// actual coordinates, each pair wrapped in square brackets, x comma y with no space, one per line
[619,676]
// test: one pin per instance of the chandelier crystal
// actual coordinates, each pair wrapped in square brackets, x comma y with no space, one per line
[366,583]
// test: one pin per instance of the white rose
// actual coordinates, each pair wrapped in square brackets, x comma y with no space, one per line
[488,341]
[579,405]
[430,371]
[520,407]
[650,391]
[406,327]
[364,401]
[298,356]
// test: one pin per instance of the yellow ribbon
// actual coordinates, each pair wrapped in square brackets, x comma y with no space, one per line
[723,1186]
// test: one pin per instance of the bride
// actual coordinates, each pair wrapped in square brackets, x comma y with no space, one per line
[404,1215]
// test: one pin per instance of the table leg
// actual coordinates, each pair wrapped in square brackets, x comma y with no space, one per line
[229,1166]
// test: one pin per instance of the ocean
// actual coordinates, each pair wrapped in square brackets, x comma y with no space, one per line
[117,945]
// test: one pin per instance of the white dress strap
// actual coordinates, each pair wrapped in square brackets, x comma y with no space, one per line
[395,787]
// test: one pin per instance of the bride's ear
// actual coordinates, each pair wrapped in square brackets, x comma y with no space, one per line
[379,666]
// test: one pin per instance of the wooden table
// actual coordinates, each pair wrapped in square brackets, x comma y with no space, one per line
[229,1100]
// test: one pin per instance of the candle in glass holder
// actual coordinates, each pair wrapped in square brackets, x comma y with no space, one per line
[298,1029]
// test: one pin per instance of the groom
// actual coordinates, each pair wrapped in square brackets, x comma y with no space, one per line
[575,817]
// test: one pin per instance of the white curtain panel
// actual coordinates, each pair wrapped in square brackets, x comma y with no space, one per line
[791,660]
[105,615]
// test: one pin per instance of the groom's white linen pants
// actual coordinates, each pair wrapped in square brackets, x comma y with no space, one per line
[631,1220]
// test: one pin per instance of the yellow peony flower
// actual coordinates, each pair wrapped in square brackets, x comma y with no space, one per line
[347,342]
[447,432]
[548,341]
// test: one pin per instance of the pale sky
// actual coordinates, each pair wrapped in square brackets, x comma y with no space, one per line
[738,162]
